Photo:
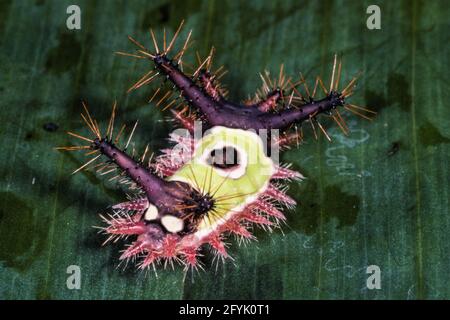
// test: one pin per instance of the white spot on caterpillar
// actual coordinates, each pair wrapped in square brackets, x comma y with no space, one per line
[151,213]
[172,224]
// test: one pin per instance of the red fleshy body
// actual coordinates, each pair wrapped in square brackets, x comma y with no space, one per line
[186,249]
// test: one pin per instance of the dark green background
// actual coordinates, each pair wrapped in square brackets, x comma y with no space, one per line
[378,197]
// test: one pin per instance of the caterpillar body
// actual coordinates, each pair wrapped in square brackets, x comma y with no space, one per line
[202,190]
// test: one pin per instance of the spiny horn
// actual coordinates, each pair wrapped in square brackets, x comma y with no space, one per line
[152,185]
[220,112]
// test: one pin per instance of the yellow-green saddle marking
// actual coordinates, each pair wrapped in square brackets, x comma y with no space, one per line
[232,188]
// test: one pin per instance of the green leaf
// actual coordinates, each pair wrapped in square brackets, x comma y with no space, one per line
[377,197]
